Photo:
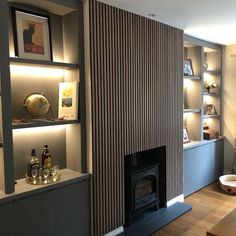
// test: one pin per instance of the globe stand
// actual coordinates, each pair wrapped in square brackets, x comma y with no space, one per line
[38,107]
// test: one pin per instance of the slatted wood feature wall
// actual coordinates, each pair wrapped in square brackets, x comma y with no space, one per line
[137,84]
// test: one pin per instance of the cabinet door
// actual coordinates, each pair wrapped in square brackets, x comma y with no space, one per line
[72,210]
[189,171]
[6,220]
[34,215]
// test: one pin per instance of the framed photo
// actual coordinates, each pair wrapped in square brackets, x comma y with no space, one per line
[210,110]
[31,35]
[187,67]
[68,101]
[185,136]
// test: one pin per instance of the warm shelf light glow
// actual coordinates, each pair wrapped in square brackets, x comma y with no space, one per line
[188,115]
[208,99]
[38,130]
[37,71]
[188,83]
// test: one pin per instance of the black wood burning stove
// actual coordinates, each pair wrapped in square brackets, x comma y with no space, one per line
[142,185]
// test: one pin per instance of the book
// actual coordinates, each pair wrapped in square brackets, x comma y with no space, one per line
[68,101]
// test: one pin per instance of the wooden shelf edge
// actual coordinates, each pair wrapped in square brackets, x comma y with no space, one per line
[44,123]
[48,64]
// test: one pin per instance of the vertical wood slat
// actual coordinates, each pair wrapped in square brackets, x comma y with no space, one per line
[136,72]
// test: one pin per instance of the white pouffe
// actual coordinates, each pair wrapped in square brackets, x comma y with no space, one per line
[228,183]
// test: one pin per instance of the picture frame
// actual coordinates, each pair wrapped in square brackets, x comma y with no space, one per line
[31,33]
[185,136]
[68,100]
[210,110]
[188,68]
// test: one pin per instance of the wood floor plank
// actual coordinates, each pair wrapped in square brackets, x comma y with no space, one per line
[209,206]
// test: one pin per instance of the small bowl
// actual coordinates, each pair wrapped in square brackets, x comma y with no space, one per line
[228,183]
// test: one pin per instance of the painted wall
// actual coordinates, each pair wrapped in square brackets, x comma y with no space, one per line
[229,105]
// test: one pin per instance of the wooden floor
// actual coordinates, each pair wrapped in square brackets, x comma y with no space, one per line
[209,205]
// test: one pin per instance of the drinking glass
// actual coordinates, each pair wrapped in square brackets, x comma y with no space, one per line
[46,173]
[34,173]
[54,172]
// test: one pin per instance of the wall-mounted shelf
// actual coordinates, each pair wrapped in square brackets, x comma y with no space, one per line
[211,116]
[43,123]
[212,94]
[212,72]
[192,77]
[192,110]
[41,63]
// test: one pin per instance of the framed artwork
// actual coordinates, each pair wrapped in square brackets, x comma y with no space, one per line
[210,110]
[31,35]
[187,67]
[185,136]
[68,101]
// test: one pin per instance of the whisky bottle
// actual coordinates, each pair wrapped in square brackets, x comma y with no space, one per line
[46,158]
[33,163]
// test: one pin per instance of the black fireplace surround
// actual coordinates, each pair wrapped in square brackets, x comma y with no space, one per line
[145,183]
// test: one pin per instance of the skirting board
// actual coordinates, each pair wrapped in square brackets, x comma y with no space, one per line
[179,198]
[115,232]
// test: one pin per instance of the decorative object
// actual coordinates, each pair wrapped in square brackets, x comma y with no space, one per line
[37,105]
[44,176]
[185,136]
[205,66]
[31,35]
[68,100]
[210,85]
[210,110]
[228,183]
[209,133]
[187,66]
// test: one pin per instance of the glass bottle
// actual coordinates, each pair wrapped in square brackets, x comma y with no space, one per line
[33,163]
[46,158]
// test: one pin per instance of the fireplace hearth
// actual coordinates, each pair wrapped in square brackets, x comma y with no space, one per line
[145,183]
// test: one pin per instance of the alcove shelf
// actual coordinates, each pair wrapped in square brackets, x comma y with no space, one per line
[43,123]
[192,110]
[211,116]
[41,63]
[212,72]
[192,77]
[196,98]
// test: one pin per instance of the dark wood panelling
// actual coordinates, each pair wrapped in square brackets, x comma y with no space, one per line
[136,71]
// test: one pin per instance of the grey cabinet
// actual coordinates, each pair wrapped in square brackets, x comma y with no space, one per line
[6,220]
[57,211]
[34,215]
[189,171]
[71,206]
[202,165]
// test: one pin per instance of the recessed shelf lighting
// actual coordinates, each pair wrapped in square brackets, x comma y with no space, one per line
[152,15]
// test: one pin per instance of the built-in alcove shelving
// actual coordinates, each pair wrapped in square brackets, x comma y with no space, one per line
[202,89]
[21,77]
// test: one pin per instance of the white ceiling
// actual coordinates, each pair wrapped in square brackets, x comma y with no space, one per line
[212,20]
